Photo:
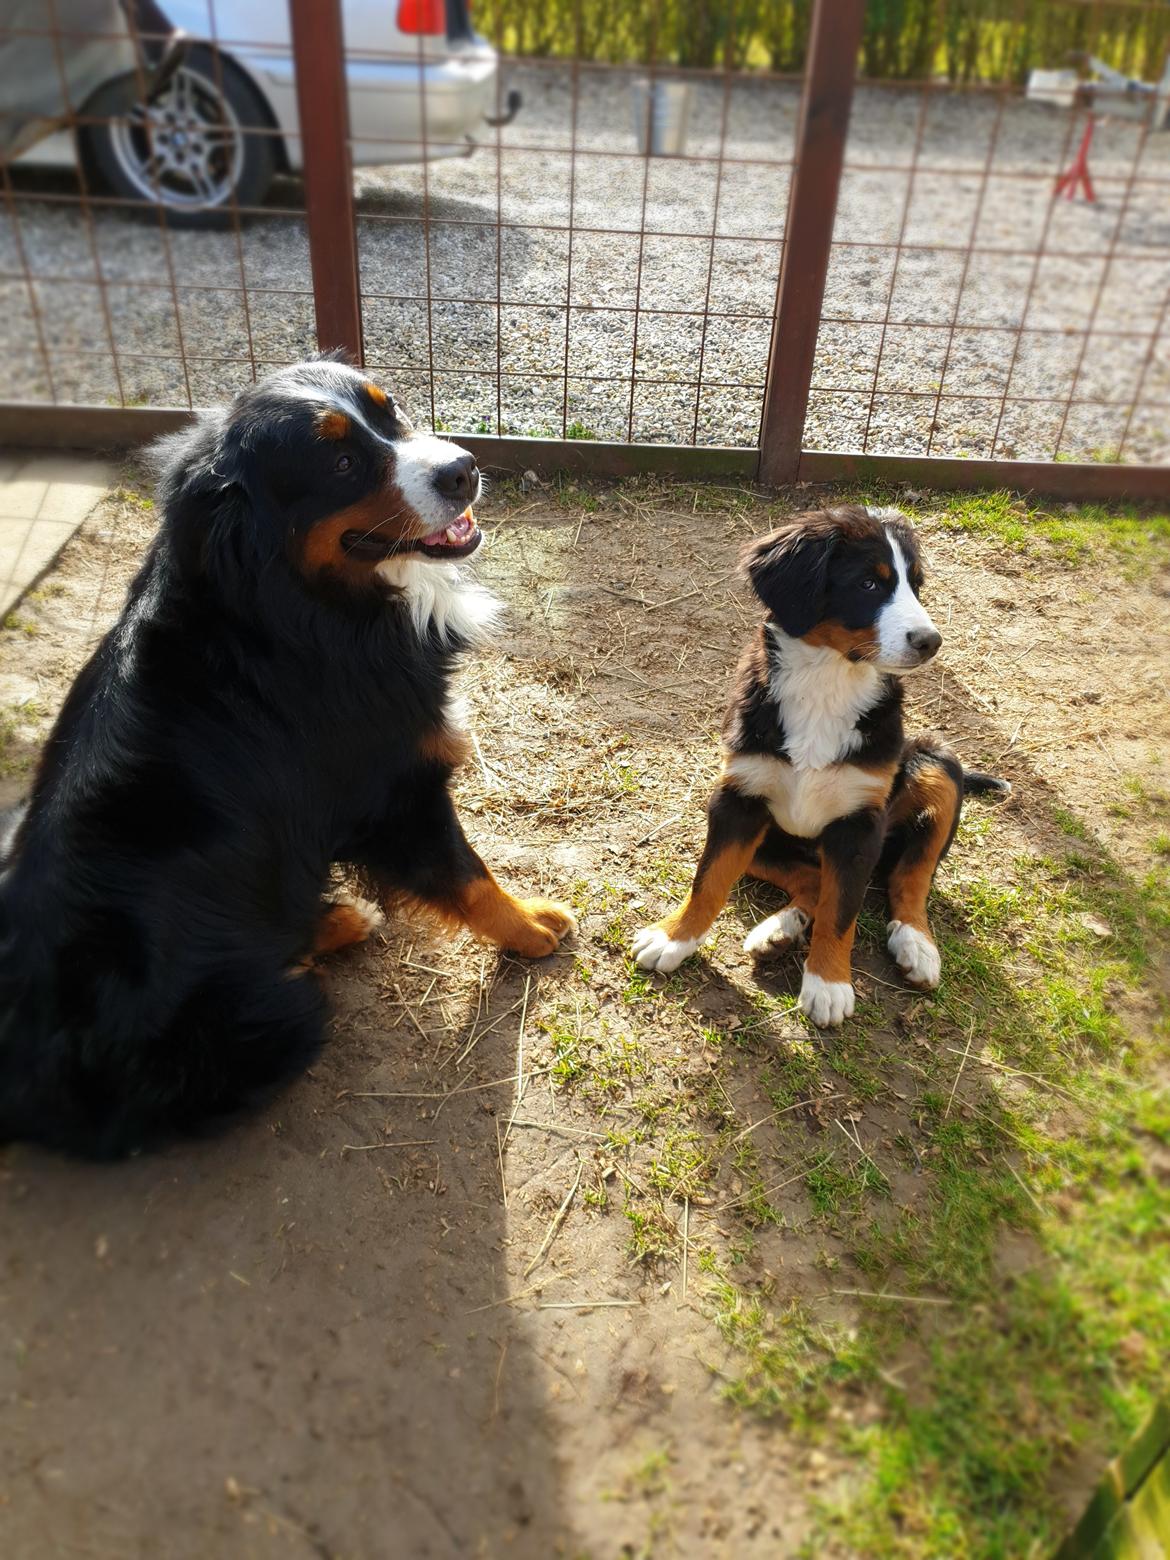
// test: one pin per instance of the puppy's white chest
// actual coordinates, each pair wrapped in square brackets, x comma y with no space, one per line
[805,801]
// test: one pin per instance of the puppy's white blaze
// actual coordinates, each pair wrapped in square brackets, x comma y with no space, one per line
[654,950]
[778,932]
[826,1002]
[903,614]
[915,954]
[441,596]
[415,463]
[822,695]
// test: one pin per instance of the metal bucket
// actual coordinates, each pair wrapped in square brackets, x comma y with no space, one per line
[660,116]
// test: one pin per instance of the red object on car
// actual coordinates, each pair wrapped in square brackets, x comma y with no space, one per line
[422,16]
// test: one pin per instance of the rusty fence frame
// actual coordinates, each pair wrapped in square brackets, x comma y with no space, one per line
[829,81]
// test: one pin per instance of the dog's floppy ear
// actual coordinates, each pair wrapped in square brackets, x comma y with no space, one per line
[198,494]
[788,570]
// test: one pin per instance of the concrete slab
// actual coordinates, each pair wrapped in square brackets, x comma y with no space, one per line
[43,499]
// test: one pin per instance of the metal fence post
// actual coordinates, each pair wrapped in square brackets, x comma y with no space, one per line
[830,70]
[322,104]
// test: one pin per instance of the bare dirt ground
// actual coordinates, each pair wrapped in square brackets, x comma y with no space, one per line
[459,1291]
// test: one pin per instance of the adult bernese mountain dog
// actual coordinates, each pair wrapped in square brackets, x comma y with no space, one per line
[820,790]
[274,699]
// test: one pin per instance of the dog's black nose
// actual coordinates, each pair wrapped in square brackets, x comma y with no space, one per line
[459,479]
[925,640]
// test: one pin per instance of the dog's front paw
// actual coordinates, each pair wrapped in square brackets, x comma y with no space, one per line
[655,949]
[915,954]
[778,933]
[543,925]
[826,1002]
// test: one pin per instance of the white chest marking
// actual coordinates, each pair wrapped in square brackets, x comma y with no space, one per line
[805,801]
[443,596]
[821,696]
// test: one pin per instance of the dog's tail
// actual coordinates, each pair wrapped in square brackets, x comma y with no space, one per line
[977,783]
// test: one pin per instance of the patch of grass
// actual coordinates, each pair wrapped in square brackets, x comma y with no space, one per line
[653,1237]
[13,720]
[614,935]
[579,430]
[788,1362]
[1068,823]
[1072,533]
[649,1477]
[682,1165]
[834,1187]
[567,1065]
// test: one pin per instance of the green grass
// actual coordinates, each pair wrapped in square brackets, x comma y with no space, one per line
[1074,534]
[1032,1121]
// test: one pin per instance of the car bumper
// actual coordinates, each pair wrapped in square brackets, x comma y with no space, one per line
[399,111]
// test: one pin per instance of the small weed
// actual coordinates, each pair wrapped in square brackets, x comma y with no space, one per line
[653,1237]
[682,1166]
[1068,823]
[834,1188]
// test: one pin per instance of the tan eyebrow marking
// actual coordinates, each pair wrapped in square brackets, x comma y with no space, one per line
[333,425]
[885,571]
[375,392]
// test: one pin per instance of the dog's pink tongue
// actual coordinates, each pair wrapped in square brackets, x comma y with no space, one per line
[458,531]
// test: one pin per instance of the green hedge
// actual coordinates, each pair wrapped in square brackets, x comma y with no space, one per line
[962,40]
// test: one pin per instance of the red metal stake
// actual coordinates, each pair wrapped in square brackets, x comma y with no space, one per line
[1078,170]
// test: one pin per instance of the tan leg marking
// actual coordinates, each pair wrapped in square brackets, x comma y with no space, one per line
[830,952]
[934,794]
[696,915]
[933,798]
[529,927]
[800,881]
[344,923]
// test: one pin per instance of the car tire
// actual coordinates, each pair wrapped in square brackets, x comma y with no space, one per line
[190,151]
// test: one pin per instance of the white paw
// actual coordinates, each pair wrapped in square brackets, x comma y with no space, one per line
[780,931]
[826,1002]
[915,955]
[654,950]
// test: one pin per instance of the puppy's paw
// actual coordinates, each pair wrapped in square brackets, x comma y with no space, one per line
[915,954]
[826,1002]
[543,926]
[655,949]
[777,934]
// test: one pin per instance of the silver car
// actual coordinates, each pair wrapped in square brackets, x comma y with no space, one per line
[190,148]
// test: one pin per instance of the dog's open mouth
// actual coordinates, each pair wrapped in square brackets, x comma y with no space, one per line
[459,539]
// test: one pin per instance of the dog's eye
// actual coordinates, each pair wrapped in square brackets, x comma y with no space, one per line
[343,463]
[869,583]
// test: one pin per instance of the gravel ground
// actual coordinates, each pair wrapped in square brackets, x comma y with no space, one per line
[899,330]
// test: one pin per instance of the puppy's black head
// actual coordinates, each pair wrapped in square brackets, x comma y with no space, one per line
[320,466]
[846,579]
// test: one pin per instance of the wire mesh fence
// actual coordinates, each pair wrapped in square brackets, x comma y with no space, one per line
[971,311]
[606,266]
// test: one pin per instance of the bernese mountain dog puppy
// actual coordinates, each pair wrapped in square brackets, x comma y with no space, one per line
[820,790]
[274,699]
